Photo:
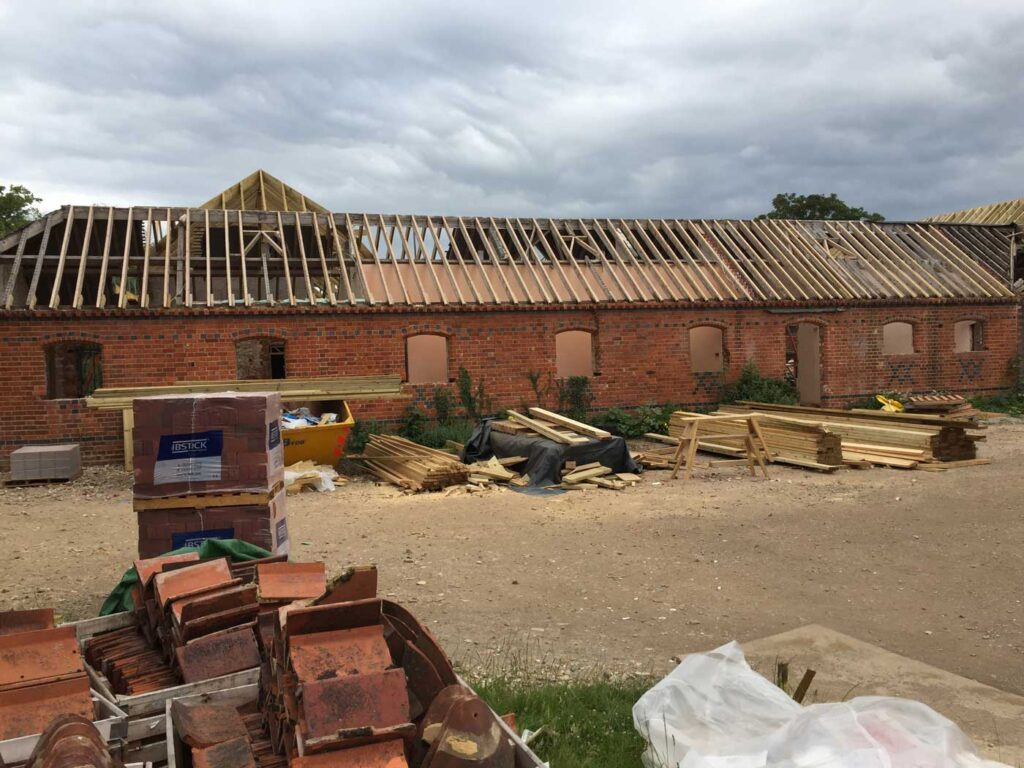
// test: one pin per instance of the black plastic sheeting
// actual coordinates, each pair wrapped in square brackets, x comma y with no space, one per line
[545,458]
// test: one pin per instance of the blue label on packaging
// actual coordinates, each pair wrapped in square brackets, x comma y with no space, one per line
[195,538]
[282,532]
[189,457]
[274,436]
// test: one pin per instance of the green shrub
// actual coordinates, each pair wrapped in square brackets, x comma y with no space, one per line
[444,405]
[474,399]
[361,431]
[540,386]
[435,436]
[413,423]
[1010,402]
[751,385]
[575,397]
[646,418]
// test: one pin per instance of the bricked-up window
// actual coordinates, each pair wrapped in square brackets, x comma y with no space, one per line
[73,369]
[574,354]
[426,359]
[898,339]
[968,336]
[260,359]
[706,349]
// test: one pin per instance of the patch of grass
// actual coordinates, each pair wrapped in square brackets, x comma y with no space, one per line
[1010,403]
[586,723]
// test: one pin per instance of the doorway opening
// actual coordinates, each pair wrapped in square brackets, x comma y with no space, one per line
[803,361]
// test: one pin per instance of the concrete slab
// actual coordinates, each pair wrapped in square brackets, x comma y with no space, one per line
[847,667]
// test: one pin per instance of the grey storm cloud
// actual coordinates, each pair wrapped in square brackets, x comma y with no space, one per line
[689,109]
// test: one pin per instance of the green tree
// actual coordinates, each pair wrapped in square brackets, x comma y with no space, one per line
[16,208]
[789,205]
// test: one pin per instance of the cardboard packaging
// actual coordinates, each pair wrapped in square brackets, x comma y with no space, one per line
[227,442]
[265,525]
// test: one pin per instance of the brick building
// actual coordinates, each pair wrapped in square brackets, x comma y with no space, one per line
[261,282]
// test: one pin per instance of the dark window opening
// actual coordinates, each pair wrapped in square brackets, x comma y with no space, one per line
[968,336]
[260,359]
[73,370]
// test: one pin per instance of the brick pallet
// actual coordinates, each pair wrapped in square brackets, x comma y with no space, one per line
[209,465]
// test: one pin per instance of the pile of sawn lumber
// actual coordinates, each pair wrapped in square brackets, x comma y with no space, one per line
[898,440]
[789,441]
[550,425]
[411,465]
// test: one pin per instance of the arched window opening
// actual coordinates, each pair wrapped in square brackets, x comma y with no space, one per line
[426,359]
[898,339]
[574,354]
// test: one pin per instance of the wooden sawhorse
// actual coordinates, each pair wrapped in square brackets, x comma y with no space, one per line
[748,433]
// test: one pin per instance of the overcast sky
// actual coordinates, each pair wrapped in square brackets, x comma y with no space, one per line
[680,109]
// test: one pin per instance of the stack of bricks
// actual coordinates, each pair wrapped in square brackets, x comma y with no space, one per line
[46,462]
[209,466]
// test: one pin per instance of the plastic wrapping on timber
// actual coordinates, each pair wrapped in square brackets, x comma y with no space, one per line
[713,710]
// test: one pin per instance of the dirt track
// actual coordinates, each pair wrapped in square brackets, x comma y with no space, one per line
[929,565]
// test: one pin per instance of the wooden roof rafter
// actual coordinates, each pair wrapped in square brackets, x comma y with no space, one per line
[95,256]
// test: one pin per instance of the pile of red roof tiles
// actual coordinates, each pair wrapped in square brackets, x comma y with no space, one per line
[41,673]
[194,621]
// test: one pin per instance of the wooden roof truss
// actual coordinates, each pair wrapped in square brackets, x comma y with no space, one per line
[101,257]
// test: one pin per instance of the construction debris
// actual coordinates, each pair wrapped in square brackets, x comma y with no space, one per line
[303,475]
[410,465]
[356,684]
[944,405]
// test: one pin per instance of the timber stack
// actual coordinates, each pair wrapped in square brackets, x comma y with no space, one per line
[411,465]
[788,441]
[551,426]
[877,437]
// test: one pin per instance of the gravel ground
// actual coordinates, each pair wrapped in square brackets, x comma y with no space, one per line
[929,565]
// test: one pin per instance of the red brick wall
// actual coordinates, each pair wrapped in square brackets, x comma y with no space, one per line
[641,356]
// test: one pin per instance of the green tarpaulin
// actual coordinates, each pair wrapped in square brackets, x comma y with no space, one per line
[120,599]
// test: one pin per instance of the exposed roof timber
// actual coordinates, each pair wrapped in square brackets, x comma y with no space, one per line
[259,191]
[173,257]
[1007,212]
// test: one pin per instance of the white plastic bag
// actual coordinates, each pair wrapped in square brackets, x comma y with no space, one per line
[714,711]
